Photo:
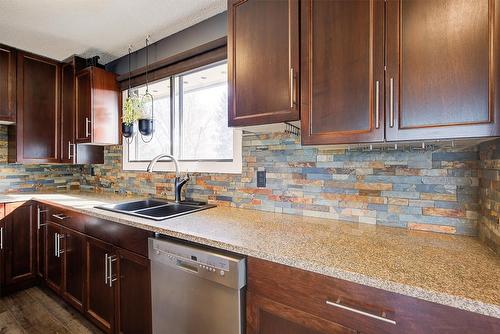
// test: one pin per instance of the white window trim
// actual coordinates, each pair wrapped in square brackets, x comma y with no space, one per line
[202,166]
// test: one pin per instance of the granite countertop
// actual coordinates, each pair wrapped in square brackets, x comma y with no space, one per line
[451,270]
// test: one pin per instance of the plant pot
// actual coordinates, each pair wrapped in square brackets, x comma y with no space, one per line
[128,130]
[145,126]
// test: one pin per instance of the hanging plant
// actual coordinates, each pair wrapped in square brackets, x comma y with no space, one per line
[147,119]
[132,109]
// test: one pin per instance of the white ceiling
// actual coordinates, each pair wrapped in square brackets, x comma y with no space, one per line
[61,28]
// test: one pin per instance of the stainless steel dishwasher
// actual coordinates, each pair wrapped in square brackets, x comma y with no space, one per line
[195,290]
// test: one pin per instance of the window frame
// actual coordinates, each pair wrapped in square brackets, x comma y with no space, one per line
[197,63]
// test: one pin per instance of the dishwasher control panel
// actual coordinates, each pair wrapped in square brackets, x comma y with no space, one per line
[221,268]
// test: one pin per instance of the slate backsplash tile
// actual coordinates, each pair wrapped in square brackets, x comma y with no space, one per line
[31,178]
[423,190]
[489,195]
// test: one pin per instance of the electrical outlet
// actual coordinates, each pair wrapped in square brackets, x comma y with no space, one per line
[261,178]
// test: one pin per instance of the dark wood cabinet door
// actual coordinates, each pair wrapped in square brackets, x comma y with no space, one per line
[265,316]
[68,113]
[100,293]
[7,84]
[74,267]
[20,244]
[41,221]
[83,106]
[442,69]
[134,314]
[342,72]
[263,61]
[37,127]
[53,257]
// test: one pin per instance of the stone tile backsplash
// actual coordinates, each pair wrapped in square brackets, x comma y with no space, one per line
[489,195]
[30,178]
[419,190]
[442,190]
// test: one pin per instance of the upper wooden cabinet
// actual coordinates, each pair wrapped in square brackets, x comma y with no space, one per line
[342,72]
[70,151]
[97,98]
[263,61]
[35,138]
[443,70]
[7,84]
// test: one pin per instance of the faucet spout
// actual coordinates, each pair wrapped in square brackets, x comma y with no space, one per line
[161,156]
[178,182]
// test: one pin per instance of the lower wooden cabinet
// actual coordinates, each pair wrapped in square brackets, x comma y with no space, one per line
[54,265]
[101,287]
[282,299]
[73,255]
[64,250]
[19,245]
[266,316]
[135,304]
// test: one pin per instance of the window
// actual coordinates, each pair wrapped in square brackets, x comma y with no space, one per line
[192,126]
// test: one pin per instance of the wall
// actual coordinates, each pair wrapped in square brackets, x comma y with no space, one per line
[423,190]
[29,178]
[489,227]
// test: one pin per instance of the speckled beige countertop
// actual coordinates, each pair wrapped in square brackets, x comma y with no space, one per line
[451,270]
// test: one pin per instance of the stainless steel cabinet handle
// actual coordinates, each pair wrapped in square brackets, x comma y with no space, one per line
[39,217]
[381,318]
[391,102]
[56,244]
[59,251]
[60,216]
[1,237]
[111,259]
[69,150]
[292,88]
[106,263]
[87,129]
[377,102]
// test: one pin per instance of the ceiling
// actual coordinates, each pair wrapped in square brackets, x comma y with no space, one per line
[61,28]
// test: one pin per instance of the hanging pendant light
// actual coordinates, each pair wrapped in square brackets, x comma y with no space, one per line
[146,122]
[131,108]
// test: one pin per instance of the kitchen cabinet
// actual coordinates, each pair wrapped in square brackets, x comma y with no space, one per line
[38,103]
[134,314]
[41,221]
[440,84]
[101,284]
[54,261]
[281,299]
[97,98]
[19,245]
[265,316]
[73,254]
[433,87]
[70,152]
[263,61]
[342,71]
[7,84]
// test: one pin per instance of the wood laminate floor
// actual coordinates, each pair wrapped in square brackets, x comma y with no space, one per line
[38,310]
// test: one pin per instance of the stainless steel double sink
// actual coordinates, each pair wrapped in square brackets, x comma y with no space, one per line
[156,209]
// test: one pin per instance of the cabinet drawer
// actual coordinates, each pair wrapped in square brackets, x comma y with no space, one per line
[67,218]
[360,307]
[324,296]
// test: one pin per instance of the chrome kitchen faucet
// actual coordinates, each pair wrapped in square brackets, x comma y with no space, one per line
[179,182]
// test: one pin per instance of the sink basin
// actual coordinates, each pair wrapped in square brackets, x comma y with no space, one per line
[156,209]
[138,205]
